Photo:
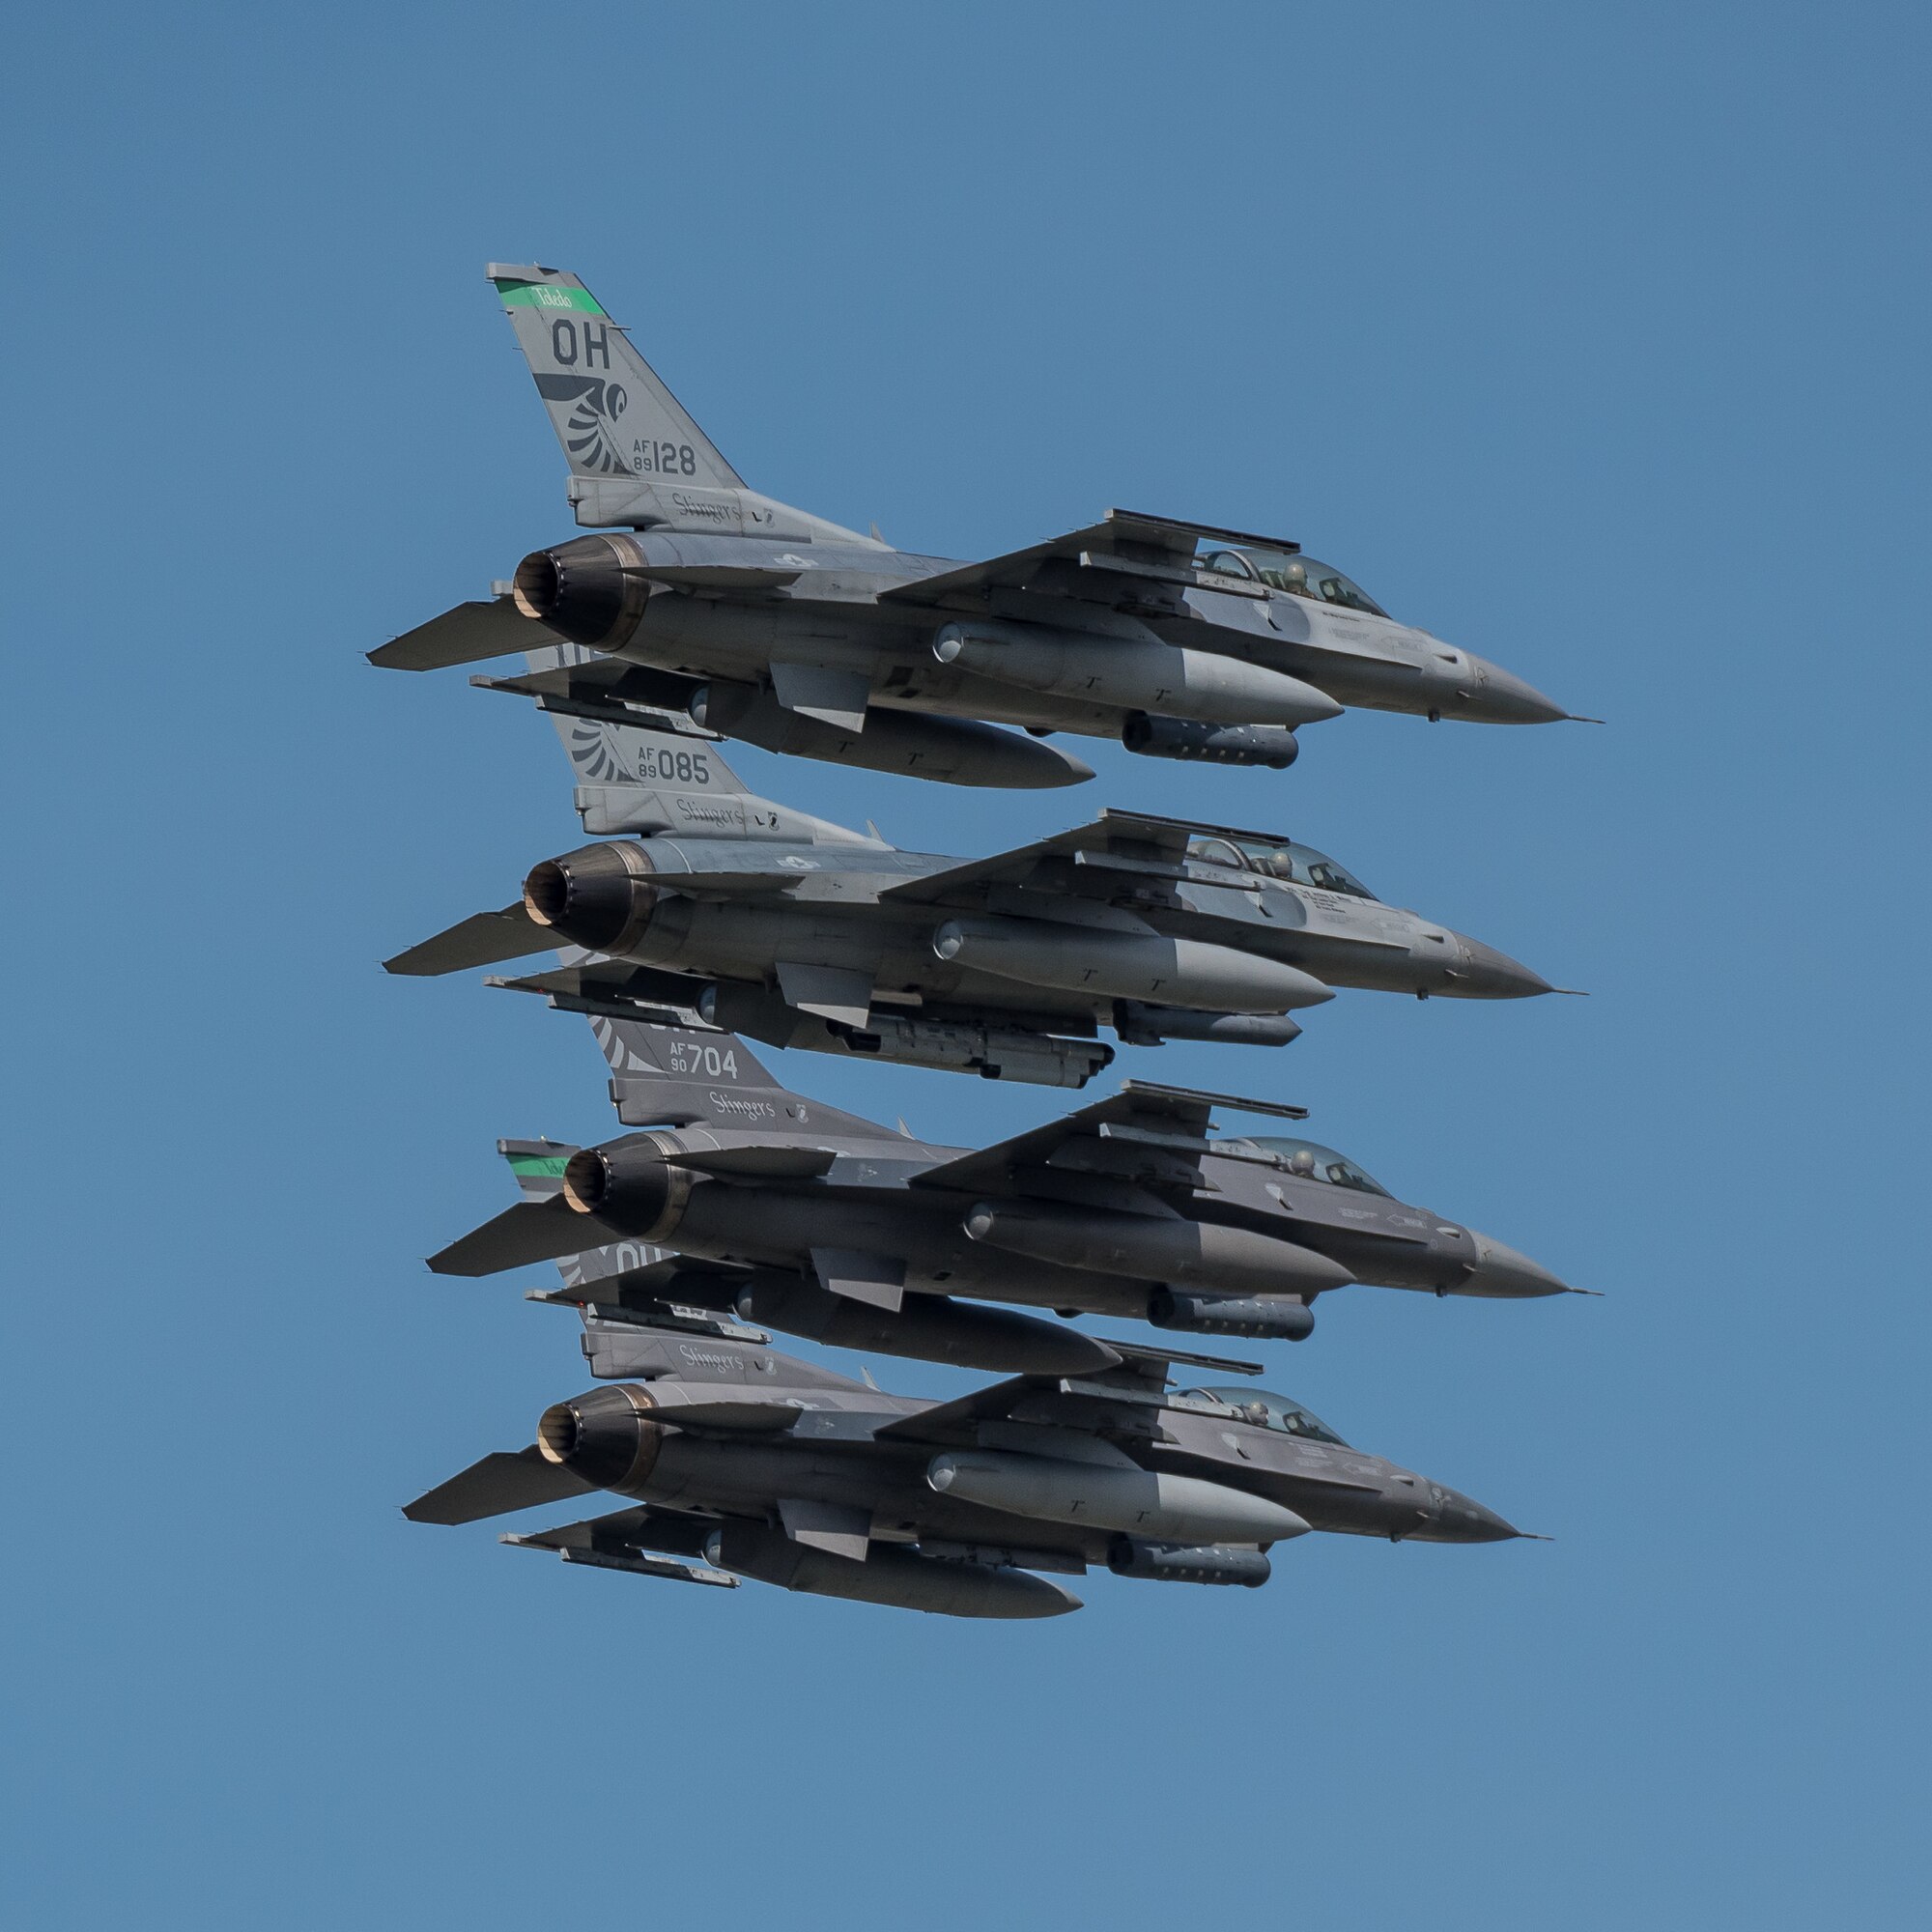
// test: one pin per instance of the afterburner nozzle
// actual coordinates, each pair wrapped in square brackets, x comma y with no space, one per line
[599,897]
[628,1185]
[607,1437]
[588,590]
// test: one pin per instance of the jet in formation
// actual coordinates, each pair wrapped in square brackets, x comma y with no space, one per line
[1179,639]
[824,1224]
[764,922]
[741,1462]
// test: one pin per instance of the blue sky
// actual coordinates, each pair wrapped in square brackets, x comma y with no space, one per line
[1592,339]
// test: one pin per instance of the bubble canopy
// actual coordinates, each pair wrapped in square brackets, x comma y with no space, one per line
[1314,1161]
[1298,576]
[1279,859]
[1271,1412]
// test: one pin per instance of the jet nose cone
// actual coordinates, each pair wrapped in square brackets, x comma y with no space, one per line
[1462,1518]
[1501,697]
[1501,1270]
[1485,973]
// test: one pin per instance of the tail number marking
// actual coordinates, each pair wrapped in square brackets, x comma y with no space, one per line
[675,767]
[694,1057]
[663,459]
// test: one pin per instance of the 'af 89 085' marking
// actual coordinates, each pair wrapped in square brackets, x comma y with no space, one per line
[675,767]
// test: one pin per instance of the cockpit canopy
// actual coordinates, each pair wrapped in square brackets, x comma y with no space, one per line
[1314,1162]
[1279,859]
[1270,1410]
[1299,575]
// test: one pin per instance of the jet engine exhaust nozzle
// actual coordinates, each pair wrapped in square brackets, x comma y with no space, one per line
[587,590]
[628,1185]
[608,1435]
[600,896]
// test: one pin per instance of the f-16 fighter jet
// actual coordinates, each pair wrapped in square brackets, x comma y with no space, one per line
[829,1225]
[774,626]
[802,933]
[744,1462]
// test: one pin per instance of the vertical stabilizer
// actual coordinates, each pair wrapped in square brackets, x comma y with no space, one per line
[611,412]
[683,1076]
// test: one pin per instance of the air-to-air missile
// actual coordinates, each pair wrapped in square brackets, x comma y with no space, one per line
[743,1463]
[801,933]
[1179,640]
[752,1200]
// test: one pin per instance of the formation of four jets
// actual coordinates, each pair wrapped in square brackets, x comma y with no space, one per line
[703,916]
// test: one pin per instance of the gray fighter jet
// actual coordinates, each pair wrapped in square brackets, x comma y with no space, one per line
[802,933]
[774,626]
[829,1225]
[749,1464]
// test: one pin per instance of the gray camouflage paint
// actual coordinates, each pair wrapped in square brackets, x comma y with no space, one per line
[805,636]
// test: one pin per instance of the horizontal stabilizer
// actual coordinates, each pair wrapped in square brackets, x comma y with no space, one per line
[483,939]
[532,1231]
[496,1486]
[469,633]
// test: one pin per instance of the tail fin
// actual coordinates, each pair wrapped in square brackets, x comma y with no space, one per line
[604,751]
[633,776]
[611,413]
[682,1077]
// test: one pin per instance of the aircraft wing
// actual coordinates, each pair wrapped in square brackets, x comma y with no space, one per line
[496,1486]
[1137,842]
[1140,1381]
[1146,1133]
[1120,558]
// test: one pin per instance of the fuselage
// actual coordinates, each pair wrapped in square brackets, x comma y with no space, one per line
[626,1438]
[829,604]
[1068,1240]
[855,909]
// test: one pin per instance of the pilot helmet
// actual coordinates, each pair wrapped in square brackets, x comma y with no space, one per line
[1302,1162]
[1295,577]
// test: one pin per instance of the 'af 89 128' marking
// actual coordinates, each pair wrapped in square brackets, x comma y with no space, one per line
[663,459]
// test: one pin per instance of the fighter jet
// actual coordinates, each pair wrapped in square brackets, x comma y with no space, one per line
[745,1463]
[774,626]
[826,1224]
[802,933]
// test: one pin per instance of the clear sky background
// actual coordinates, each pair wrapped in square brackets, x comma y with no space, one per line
[1593,339]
